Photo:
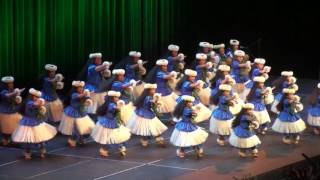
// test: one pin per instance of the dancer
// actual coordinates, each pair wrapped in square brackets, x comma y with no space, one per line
[204,47]
[188,86]
[222,77]
[234,46]
[161,76]
[220,53]
[214,60]
[258,96]
[134,71]
[240,71]
[204,75]
[287,80]
[175,63]
[221,118]
[314,110]
[51,83]
[289,121]
[75,121]
[109,130]
[258,69]
[10,101]
[126,90]
[186,134]
[243,135]
[175,59]
[145,122]
[96,72]
[32,131]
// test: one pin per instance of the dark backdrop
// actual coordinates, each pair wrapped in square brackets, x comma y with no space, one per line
[64,32]
[284,34]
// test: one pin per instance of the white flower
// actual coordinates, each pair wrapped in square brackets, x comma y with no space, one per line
[88,102]
[60,85]
[18,99]
[42,110]
[120,103]
[173,74]
[40,102]
[59,77]
[86,93]
[16,91]
[159,103]
[107,64]
[181,56]
[106,73]
[133,82]
[156,97]
[140,62]
[209,65]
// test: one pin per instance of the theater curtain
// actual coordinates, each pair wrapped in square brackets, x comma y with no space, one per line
[64,32]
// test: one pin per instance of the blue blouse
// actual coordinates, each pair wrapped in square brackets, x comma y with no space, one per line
[76,108]
[186,89]
[314,110]
[243,130]
[7,104]
[31,116]
[132,73]
[229,52]
[223,110]
[49,89]
[94,78]
[257,100]
[288,114]
[162,83]
[109,119]
[236,72]
[118,86]
[279,95]
[186,124]
[145,110]
[255,72]
[170,63]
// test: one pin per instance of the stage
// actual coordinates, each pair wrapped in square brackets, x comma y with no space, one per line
[156,162]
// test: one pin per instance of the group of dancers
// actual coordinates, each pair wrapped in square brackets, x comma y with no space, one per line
[221,85]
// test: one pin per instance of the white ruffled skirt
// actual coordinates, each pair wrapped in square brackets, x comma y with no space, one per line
[314,120]
[237,106]
[146,127]
[220,127]
[204,95]
[9,122]
[126,112]
[97,101]
[238,142]
[274,106]
[203,114]
[104,135]
[84,125]
[34,134]
[245,93]
[188,139]
[173,82]
[269,99]
[288,127]
[262,116]
[138,89]
[169,103]
[54,110]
